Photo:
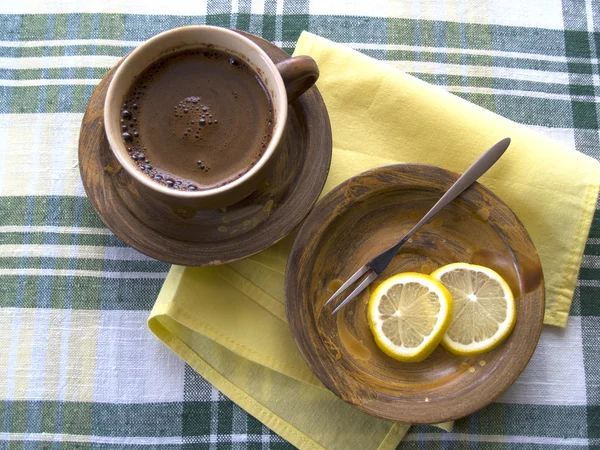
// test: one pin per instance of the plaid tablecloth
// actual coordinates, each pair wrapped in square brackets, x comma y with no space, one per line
[78,366]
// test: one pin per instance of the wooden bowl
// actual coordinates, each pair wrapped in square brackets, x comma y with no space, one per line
[364,216]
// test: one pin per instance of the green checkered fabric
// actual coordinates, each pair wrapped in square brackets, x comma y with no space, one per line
[78,366]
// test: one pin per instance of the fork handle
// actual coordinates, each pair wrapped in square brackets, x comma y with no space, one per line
[476,170]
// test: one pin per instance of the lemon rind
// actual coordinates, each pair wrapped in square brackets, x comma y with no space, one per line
[505,327]
[425,349]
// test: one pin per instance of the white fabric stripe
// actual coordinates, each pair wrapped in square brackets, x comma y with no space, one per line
[6,133]
[239,423]
[354,45]
[590,25]
[35,156]
[266,438]
[75,251]
[12,376]
[70,42]
[538,76]
[138,440]
[593,241]
[588,283]
[565,136]
[50,82]
[62,383]
[530,13]
[533,13]
[8,390]
[56,161]
[519,93]
[150,7]
[83,273]
[64,437]
[104,61]
[51,62]
[214,413]
[133,362]
[128,361]
[591,261]
[540,440]
[177,440]
[464,70]
[234,13]
[257,8]
[592,46]
[38,141]
[468,51]
[279,20]
[39,347]
[53,229]
[555,374]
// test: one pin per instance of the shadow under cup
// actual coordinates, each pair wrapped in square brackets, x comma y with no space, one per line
[180,220]
[186,215]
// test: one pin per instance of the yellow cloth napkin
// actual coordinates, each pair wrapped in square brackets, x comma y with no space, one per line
[229,323]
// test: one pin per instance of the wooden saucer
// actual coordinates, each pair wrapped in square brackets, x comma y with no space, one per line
[228,234]
[368,214]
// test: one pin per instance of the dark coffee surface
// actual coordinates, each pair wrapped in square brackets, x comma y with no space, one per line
[197,119]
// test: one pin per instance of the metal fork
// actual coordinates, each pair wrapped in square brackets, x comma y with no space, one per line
[377,265]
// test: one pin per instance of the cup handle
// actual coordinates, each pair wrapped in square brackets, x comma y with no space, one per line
[299,74]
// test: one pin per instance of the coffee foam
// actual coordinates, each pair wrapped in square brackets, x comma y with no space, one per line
[197,119]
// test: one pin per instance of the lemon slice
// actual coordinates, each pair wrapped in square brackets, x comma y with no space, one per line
[484,308]
[408,315]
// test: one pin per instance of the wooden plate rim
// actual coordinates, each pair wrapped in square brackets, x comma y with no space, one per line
[435,411]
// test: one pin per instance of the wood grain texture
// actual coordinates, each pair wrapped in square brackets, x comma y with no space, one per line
[366,215]
[211,237]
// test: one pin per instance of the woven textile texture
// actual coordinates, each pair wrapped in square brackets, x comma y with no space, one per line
[79,367]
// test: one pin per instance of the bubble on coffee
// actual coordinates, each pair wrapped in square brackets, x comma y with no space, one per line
[184,129]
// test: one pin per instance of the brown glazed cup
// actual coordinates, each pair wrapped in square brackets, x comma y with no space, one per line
[173,212]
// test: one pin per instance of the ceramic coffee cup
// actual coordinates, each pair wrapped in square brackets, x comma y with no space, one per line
[153,202]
